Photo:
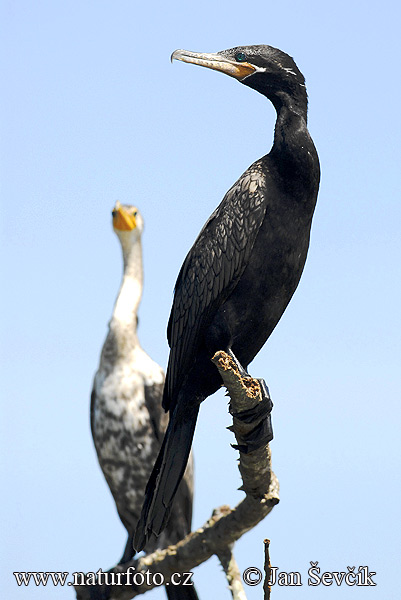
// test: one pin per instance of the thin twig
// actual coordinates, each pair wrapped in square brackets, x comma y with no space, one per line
[268,571]
[229,564]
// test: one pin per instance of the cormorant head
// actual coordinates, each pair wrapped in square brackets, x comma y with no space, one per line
[265,69]
[127,222]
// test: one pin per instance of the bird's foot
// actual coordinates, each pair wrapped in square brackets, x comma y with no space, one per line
[260,435]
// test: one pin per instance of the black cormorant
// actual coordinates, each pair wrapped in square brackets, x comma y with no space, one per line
[243,268]
[127,419]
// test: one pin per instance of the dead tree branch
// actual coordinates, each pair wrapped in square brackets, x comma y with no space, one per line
[268,571]
[233,574]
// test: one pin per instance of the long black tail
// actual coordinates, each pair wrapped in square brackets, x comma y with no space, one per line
[181,592]
[167,474]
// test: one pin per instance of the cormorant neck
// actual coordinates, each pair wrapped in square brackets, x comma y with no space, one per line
[293,103]
[124,319]
[290,100]
[291,130]
[290,95]
[289,125]
[293,152]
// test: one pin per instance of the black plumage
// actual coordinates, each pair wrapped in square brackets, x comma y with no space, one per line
[244,267]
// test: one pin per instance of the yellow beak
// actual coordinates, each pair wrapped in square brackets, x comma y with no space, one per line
[216,62]
[122,220]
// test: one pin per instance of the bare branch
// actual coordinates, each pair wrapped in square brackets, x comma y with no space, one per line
[268,571]
[229,564]
[246,398]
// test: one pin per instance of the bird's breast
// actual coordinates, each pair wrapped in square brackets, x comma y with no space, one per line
[269,280]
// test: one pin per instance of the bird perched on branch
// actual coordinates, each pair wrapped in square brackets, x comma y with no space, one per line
[127,419]
[243,268]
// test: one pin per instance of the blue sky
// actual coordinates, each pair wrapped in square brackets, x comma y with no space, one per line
[93,111]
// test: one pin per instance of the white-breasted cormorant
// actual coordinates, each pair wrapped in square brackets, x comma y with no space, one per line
[127,419]
[243,268]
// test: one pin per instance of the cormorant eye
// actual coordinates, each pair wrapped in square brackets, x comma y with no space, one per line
[240,57]
[135,213]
